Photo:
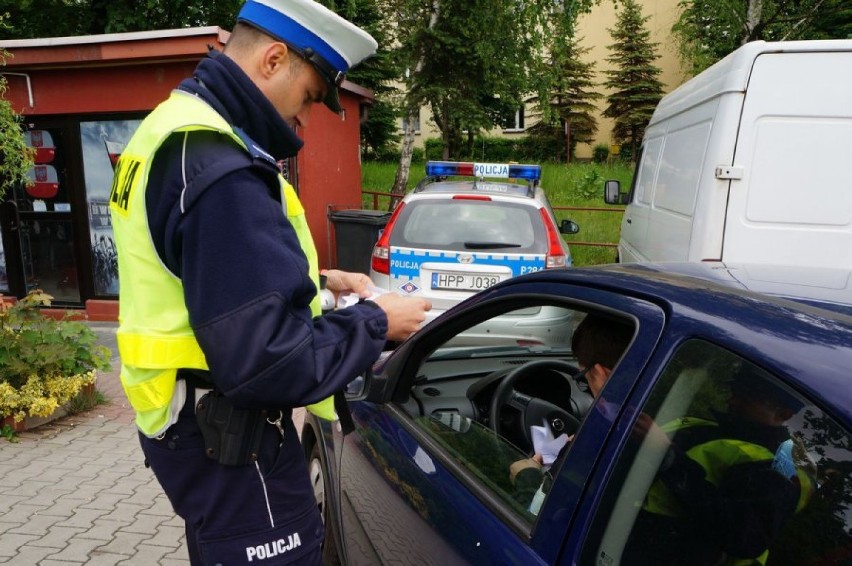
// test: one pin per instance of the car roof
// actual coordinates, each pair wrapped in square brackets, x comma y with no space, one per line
[478,186]
[820,292]
[470,177]
[826,288]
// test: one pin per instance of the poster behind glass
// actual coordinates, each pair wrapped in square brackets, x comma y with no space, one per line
[103,141]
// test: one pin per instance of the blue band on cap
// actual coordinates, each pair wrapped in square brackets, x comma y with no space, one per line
[281,26]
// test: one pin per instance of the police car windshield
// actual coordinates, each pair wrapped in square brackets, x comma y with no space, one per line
[469,224]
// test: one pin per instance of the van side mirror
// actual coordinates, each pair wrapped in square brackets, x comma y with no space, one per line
[568,227]
[613,194]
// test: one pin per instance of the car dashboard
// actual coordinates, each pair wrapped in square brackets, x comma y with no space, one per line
[464,385]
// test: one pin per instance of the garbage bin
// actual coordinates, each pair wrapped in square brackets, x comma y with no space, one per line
[355,234]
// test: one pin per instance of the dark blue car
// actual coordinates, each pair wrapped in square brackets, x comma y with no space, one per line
[425,476]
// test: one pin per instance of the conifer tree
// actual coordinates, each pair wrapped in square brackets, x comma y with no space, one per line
[635,88]
[569,112]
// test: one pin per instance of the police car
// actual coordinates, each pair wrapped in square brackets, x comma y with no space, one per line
[466,227]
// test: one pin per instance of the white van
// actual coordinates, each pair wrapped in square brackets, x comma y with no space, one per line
[750,161]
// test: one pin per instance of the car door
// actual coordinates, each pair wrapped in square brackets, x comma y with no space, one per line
[424,478]
[689,390]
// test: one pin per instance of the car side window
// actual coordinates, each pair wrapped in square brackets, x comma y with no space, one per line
[726,465]
[493,394]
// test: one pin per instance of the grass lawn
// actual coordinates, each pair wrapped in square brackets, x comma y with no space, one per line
[579,185]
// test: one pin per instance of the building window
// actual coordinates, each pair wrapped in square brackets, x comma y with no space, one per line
[518,124]
[403,120]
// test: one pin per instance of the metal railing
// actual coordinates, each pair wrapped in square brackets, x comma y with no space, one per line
[377,194]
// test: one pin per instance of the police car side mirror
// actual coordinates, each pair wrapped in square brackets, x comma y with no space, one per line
[613,194]
[568,227]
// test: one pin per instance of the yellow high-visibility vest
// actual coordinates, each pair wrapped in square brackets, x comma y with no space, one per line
[154,336]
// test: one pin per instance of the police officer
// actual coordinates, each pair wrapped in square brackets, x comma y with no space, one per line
[726,487]
[219,329]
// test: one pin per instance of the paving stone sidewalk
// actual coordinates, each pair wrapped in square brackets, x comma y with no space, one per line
[76,491]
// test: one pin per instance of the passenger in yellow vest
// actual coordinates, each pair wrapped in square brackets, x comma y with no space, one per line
[220,334]
[725,488]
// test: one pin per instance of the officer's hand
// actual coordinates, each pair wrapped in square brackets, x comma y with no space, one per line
[405,314]
[345,281]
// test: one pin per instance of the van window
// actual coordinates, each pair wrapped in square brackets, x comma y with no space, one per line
[680,168]
[648,170]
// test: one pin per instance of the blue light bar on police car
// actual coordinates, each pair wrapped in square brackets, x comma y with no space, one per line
[481,170]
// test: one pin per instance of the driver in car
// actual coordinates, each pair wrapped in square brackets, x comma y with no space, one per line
[598,343]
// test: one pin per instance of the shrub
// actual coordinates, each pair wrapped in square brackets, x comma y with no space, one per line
[44,363]
[542,149]
[589,185]
[600,153]
[387,154]
[433,149]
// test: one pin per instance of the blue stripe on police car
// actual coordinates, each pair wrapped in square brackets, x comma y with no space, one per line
[405,262]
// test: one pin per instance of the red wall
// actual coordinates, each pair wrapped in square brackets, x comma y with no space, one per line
[93,90]
[330,169]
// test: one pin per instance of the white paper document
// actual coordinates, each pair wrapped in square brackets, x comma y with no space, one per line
[545,444]
[348,299]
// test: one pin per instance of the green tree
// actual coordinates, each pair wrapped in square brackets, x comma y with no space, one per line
[52,18]
[16,158]
[56,18]
[707,30]
[635,88]
[377,73]
[472,62]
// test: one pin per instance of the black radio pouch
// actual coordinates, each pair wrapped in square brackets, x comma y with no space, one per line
[231,436]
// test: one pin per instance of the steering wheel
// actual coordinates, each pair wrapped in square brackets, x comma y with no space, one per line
[533,409]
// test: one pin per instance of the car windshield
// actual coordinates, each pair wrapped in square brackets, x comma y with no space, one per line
[470,224]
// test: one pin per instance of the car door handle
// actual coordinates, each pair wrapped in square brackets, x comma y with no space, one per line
[629,221]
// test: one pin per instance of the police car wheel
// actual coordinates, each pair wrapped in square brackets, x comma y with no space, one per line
[319,483]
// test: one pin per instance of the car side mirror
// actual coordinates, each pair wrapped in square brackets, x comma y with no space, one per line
[613,194]
[568,227]
[366,387]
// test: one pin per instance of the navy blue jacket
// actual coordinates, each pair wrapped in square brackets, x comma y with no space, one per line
[244,274]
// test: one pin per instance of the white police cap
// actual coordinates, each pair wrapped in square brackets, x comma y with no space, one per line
[332,44]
